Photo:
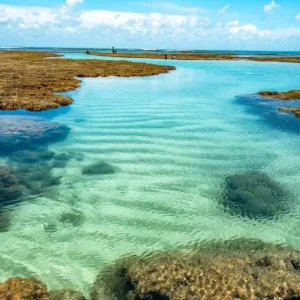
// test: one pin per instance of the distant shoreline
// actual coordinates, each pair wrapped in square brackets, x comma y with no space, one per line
[202,56]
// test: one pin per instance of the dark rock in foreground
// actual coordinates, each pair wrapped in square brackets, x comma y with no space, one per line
[255,195]
[100,168]
[66,295]
[25,132]
[23,289]
[241,269]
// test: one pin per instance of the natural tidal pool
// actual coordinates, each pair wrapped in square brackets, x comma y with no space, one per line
[144,167]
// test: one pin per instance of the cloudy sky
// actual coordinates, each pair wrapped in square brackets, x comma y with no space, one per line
[173,24]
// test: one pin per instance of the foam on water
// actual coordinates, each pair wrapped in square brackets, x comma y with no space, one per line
[173,139]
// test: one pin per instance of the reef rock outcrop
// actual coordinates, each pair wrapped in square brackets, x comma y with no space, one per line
[23,289]
[100,168]
[255,195]
[25,132]
[221,271]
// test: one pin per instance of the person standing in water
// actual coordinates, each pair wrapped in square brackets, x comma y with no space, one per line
[113,50]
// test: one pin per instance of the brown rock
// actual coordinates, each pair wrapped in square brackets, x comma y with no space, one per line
[23,289]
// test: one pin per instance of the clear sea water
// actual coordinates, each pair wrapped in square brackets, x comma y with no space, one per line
[173,139]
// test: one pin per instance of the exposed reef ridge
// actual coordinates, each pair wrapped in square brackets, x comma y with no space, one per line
[240,269]
[202,56]
[29,81]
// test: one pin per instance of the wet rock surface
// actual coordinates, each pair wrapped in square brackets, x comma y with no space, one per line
[255,195]
[26,132]
[23,289]
[240,269]
[100,168]
[66,295]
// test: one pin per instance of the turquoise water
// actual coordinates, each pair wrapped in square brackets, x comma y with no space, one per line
[173,139]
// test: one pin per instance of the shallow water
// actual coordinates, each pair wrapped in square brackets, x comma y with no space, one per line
[172,139]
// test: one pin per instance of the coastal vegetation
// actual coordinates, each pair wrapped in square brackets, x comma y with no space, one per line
[30,81]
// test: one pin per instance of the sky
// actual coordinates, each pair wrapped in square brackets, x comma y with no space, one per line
[152,24]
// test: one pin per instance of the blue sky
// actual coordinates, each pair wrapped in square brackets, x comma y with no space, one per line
[189,24]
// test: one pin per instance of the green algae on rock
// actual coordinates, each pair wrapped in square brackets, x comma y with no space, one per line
[255,195]
[240,269]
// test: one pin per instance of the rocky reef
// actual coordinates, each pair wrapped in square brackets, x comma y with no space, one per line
[35,87]
[100,168]
[290,95]
[23,289]
[33,289]
[240,269]
[20,132]
[255,195]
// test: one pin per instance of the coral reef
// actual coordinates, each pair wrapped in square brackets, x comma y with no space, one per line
[241,269]
[29,81]
[66,295]
[23,289]
[20,132]
[202,56]
[255,195]
[100,168]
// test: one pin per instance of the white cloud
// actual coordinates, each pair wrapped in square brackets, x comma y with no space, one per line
[269,7]
[233,23]
[153,22]
[249,29]
[73,2]
[28,15]
[224,9]
[298,17]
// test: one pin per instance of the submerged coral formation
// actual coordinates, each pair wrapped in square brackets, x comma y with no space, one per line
[73,217]
[255,195]
[241,269]
[23,289]
[10,187]
[29,81]
[20,132]
[294,110]
[100,168]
